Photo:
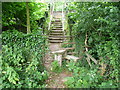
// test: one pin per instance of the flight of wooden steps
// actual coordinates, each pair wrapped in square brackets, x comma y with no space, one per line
[56,35]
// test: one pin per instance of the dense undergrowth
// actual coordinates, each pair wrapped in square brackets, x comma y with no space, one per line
[100,22]
[22,54]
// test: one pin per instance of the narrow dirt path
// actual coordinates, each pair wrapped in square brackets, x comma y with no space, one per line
[55,80]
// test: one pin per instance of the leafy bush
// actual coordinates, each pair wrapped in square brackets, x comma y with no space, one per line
[22,55]
[14,15]
[100,20]
[86,78]
[56,67]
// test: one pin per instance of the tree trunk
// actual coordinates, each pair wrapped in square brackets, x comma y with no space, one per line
[71,32]
[28,18]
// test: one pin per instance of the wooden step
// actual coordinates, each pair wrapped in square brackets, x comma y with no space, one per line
[54,38]
[56,22]
[58,36]
[56,28]
[70,57]
[71,53]
[56,33]
[55,41]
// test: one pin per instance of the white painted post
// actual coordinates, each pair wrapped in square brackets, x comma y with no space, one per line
[60,59]
[56,57]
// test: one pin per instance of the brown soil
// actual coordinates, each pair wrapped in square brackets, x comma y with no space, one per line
[55,80]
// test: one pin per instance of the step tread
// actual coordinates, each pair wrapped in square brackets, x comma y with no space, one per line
[56,28]
[59,51]
[57,33]
[56,22]
[58,36]
[71,53]
[56,41]
[71,57]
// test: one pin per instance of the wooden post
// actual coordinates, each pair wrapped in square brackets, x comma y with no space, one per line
[58,56]
[60,59]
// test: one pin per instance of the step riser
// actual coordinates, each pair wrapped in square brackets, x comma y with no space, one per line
[57,26]
[57,29]
[56,38]
[54,42]
[57,21]
[56,34]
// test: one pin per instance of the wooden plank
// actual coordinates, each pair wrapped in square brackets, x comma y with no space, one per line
[90,56]
[53,38]
[71,53]
[71,48]
[56,41]
[69,57]
[59,51]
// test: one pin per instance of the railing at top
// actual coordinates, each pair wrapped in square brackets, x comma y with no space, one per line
[52,9]
[63,15]
[51,14]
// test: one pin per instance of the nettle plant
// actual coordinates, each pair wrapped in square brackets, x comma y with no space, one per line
[22,55]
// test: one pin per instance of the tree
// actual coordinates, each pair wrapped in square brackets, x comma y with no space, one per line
[28,18]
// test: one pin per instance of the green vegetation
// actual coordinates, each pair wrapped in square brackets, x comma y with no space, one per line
[14,15]
[22,54]
[100,22]
[56,67]
[95,26]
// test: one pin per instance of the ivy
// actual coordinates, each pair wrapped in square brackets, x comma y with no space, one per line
[22,56]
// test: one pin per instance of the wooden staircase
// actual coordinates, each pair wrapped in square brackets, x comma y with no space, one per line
[56,34]
[57,37]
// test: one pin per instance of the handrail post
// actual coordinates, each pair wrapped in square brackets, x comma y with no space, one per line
[63,17]
[51,13]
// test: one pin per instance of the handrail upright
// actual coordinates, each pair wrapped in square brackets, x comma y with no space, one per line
[51,14]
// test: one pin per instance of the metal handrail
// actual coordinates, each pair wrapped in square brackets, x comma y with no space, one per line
[51,14]
[63,17]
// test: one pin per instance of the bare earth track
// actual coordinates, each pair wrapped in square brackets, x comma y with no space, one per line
[55,80]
